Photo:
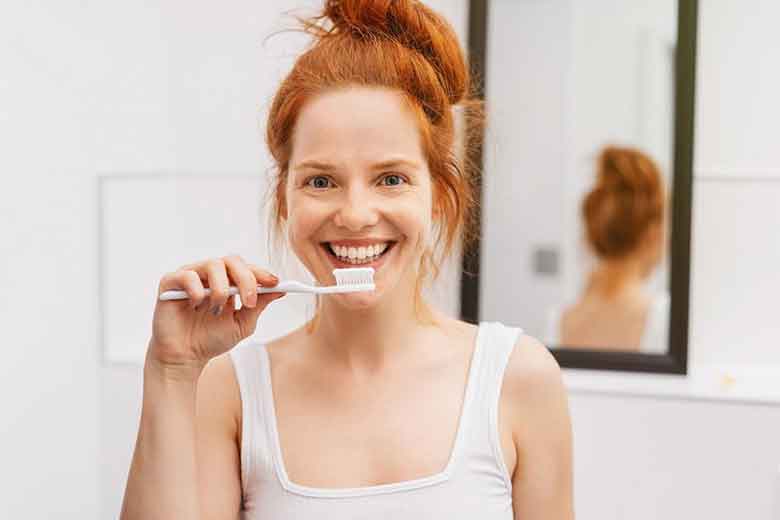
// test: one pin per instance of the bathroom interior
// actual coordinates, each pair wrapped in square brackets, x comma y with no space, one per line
[119,116]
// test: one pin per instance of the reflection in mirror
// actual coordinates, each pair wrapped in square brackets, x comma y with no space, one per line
[578,160]
[624,220]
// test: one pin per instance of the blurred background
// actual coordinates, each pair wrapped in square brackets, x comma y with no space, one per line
[107,105]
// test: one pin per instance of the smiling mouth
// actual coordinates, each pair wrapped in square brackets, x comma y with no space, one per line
[364,256]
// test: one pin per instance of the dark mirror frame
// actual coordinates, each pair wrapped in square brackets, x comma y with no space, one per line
[675,361]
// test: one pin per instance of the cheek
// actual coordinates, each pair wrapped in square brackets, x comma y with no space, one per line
[302,225]
[304,216]
[413,210]
[414,219]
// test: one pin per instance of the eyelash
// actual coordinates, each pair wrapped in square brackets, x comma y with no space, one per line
[308,180]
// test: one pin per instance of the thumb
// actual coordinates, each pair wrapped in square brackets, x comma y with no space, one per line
[247,317]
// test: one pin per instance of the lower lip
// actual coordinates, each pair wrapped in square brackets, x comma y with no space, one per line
[340,264]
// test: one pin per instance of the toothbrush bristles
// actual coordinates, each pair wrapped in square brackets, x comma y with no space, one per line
[354,276]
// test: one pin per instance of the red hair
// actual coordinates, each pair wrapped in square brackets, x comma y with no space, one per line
[407,47]
[628,198]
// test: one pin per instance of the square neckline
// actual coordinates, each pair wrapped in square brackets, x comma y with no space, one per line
[269,409]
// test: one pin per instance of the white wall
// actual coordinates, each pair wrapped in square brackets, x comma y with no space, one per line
[736,251]
[639,458]
[116,86]
[48,372]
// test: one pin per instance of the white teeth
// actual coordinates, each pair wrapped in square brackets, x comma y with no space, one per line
[358,255]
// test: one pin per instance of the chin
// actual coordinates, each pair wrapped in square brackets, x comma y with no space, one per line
[358,300]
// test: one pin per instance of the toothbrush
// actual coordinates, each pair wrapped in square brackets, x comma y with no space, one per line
[352,279]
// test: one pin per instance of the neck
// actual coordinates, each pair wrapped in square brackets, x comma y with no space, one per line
[616,279]
[379,334]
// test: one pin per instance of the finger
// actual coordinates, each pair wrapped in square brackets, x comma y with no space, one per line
[218,283]
[244,279]
[187,281]
[264,278]
[198,267]
[194,287]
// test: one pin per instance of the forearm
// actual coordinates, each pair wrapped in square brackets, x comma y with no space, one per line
[162,483]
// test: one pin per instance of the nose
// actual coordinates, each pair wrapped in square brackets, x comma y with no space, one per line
[357,210]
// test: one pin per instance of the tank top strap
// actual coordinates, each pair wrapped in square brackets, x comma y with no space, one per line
[249,361]
[483,453]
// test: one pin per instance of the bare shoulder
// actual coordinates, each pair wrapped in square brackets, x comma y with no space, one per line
[540,423]
[531,363]
[532,377]
[218,443]
[219,374]
[218,392]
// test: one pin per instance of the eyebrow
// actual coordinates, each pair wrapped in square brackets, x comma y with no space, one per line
[327,167]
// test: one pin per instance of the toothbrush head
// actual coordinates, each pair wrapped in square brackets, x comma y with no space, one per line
[355,278]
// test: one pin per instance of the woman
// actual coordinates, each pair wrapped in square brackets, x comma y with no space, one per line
[381,406]
[624,224]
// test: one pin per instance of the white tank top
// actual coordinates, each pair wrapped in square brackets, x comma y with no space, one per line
[474,484]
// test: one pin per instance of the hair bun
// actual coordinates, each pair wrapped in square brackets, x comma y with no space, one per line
[627,198]
[617,169]
[409,23]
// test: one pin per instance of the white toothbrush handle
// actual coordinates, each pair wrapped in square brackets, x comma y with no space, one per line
[285,286]
[293,286]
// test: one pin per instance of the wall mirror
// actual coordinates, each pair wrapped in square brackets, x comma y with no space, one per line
[586,186]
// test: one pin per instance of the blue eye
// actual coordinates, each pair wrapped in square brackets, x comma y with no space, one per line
[391,176]
[318,185]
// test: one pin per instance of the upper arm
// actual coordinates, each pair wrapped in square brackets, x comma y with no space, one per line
[542,486]
[218,408]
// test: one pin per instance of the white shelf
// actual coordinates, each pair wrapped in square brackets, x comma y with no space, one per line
[748,384]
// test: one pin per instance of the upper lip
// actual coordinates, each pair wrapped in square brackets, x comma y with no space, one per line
[358,242]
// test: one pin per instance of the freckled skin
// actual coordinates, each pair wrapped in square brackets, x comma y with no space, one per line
[352,130]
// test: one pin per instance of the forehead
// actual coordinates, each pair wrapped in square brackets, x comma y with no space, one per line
[356,123]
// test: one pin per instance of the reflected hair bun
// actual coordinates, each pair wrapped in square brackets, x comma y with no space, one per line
[628,197]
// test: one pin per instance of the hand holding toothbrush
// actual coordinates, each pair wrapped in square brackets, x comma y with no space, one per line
[203,323]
